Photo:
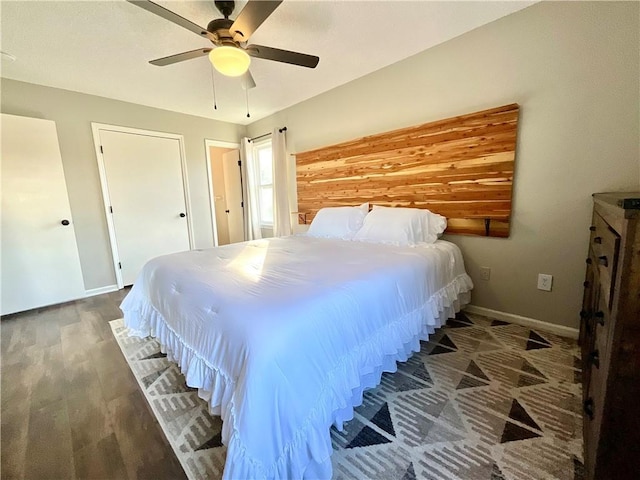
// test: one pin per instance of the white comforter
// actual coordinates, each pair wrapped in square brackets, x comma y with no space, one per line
[282,335]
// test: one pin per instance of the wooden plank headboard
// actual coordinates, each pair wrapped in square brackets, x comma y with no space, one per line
[461,167]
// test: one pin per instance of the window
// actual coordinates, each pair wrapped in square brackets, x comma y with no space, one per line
[264,164]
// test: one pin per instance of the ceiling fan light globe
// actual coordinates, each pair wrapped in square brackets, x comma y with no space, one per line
[230,61]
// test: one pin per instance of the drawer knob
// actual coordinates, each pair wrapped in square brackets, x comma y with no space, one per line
[588,407]
[592,228]
[594,358]
[603,261]
[600,317]
[597,240]
[589,261]
[585,314]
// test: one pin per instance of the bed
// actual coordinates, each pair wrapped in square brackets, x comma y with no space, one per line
[281,336]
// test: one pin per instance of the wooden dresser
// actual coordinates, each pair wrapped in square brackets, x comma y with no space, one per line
[610,339]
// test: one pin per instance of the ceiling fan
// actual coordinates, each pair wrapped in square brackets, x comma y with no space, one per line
[230,54]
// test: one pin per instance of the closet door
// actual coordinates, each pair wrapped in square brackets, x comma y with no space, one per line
[40,262]
[145,195]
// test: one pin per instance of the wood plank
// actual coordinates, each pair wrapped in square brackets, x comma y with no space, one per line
[48,381]
[56,422]
[151,461]
[89,419]
[100,460]
[49,452]
[14,430]
[461,167]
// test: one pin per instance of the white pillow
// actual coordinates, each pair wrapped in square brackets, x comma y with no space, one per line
[401,226]
[338,222]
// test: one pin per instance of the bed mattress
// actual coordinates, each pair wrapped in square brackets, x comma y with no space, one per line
[282,335]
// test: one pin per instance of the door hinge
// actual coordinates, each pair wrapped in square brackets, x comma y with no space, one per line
[110,209]
[239,163]
[101,150]
[119,265]
[242,204]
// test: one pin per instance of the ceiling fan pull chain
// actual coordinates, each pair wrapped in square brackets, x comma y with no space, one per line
[213,85]
[246,92]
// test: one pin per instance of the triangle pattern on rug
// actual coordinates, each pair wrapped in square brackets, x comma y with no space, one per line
[527,381]
[399,382]
[470,382]
[455,323]
[447,428]
[531,370]
[513,433]
[383,420]
[520,414]
[213,442]
[419,371]
[498,323]
[446,342]
[410,474]
[438,349]
[474,369]
[535,341]
[463,318]
[152,377]
[367,437]
[155,355]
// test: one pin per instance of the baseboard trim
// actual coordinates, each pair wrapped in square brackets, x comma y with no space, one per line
[560,330]
[100,290]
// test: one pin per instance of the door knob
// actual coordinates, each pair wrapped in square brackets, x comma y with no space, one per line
[65,222]
[182,215]
[226,211]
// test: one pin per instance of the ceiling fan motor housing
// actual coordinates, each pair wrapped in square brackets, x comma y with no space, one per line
[220,28]
[226,7]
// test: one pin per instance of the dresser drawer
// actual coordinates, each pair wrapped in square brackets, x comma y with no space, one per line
[592,416]
[602,325]
[605,244]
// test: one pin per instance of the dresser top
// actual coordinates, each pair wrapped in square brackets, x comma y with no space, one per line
[624,200]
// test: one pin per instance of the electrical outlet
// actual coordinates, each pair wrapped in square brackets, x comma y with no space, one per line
[485,273]
[544,282]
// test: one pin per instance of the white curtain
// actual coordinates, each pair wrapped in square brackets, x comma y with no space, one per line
[250,192]
[281,209]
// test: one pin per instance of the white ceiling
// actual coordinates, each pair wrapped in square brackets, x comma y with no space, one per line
[103,48]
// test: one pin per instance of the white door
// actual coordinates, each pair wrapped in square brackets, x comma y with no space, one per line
[146,199]
[40,262]
[233,193]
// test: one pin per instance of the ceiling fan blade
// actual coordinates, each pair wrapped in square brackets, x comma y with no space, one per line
[173,17]
[251,17]
[247,81]
[180,57]
[285,56]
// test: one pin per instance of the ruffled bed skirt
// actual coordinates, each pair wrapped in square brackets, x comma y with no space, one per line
[361,369]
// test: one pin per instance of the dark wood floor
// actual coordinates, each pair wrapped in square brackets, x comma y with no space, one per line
[71,408]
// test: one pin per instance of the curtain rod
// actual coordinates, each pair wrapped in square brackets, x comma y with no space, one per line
[283,129]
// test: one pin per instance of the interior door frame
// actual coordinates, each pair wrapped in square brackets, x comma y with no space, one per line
[96,128]
[207,144]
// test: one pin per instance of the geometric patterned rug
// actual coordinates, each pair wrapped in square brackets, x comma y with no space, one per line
[483,400]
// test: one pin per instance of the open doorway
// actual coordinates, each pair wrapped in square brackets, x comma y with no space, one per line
[225,191]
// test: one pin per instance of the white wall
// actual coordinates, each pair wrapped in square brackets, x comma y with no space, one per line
[73,113]
[574,68]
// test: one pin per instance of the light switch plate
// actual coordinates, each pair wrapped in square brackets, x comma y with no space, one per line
[545,282]
[485,273]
